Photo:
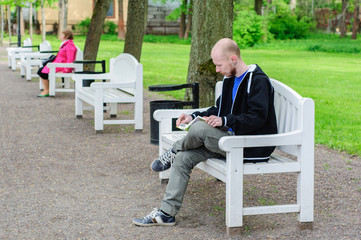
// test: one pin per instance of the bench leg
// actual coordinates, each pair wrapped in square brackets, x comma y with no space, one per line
[52,80]
[234,189]
[98,111]
[78,108]
[138,114]
[22,71]
[234,231]
[67,83]
[305,183]
[164,176]
[41,86]
[305,226]
[13,63]
[113,110]
[28,72]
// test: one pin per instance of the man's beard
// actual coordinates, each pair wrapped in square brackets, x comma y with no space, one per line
[233,72]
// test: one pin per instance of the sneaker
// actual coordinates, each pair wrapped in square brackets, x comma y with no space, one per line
[163,162]
[155,218]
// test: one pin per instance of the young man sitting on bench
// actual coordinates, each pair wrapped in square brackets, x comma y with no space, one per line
[245,107]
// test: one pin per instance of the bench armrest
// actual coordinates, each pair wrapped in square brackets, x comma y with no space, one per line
[49,51]
[282,139]
[165,114]
[62,65]
[103,85]
[35,55]
[81,77]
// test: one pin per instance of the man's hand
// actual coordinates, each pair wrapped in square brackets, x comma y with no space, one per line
[184,118]
[214,121]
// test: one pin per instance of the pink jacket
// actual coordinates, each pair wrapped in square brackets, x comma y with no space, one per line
[66,54]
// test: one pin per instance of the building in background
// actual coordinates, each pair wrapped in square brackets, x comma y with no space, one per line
[79,10]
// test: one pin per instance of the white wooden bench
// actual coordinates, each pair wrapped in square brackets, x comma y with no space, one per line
[295,121]
[125,85]
[53,75]
[14,53]
[33,60]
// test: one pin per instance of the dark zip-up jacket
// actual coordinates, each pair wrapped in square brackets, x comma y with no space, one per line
[251,113]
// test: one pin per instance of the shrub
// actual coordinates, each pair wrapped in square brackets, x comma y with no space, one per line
[110,27]
[247,28]
[287,26]
[83,26]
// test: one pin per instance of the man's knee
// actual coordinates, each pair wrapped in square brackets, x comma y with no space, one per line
[198,129]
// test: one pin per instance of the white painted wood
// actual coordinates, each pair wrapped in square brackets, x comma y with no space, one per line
[295,121]
[124,85]
[288,208]
[14,53]
[234,188]
[53,75]
[33,60]
[305,181]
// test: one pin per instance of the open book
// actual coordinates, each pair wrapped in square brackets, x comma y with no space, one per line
[186,126]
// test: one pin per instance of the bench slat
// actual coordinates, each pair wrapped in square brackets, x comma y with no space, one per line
[288,208]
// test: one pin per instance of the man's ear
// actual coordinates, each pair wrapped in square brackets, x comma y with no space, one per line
[234,59]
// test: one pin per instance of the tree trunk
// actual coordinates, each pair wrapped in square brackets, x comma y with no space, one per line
[182,23]
[135,28]
[121,29]
[65,14]
[212,20]
[95,31]
[9,22]
[31,21]
[189,20]
[43,21]
[356,20]
[343,27]
[145,16]
[22,22]
[60,16]
[258,6]
[293,4]
[2,25]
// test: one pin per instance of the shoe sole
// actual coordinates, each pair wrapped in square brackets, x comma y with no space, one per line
[153,224]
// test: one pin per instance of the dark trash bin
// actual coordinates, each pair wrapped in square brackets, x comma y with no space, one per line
[154,125]
[169,104]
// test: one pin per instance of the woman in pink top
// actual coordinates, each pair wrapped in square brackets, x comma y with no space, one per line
[66,54]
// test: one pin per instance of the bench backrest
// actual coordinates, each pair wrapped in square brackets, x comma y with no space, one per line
[27,42]
[79,54]
[125,68]
[290,110]
[45,46]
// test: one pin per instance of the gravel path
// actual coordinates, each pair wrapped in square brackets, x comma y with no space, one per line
[61,180]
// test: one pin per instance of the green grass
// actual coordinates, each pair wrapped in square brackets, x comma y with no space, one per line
[317,42]
[331,79]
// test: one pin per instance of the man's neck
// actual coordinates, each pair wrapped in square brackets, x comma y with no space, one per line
[241,68]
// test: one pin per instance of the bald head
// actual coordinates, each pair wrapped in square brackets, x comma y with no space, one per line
[226,48]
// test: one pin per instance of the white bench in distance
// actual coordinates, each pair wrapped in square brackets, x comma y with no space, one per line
[33,60]
[295,122]
[14,53]
[124,85]
[67,76]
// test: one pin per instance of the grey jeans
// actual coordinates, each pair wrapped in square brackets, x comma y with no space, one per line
[198,145]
